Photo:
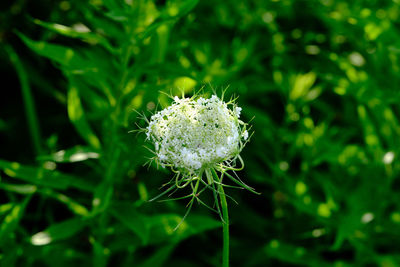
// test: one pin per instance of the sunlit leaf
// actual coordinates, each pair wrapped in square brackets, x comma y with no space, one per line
[58,231]
[74,154]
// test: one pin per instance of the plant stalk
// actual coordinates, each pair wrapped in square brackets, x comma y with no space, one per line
[225,227]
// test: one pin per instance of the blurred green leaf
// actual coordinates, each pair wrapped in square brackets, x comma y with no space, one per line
[79,31]
[5,207]
[179,7]
[291,254]
[159,258]
[29,101]
[74,206]
[77,117]
[74,154]
[162,227]
[12,219]
[20,189]
[58,53]
[302,83]
[104,191]
[58,231]
[102,197]
[43,177]
[132,219]
[371,137]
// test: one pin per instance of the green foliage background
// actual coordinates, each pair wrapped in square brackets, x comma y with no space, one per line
[321,79]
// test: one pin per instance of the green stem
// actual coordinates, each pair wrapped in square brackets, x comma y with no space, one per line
[225,217]
[225,225]
[29,102]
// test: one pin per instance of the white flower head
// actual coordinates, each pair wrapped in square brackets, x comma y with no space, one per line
[200,140]
[196,133]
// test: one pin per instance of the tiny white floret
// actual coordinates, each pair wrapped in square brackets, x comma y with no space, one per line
[237,111]
[245,135]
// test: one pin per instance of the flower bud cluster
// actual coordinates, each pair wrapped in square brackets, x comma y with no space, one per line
[194,134]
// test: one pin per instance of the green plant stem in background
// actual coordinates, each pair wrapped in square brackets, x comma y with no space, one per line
[29,102]
[225,225]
